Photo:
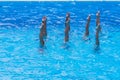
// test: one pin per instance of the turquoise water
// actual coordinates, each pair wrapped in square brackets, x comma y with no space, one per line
[20,55]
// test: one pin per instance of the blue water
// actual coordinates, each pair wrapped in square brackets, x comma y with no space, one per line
[21,58]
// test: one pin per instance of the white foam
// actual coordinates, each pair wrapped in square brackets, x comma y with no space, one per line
[6,19]
[8,24]
[107,11]
[58,22]
[60,17]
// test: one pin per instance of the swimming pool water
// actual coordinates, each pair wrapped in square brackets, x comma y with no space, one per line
[21,58]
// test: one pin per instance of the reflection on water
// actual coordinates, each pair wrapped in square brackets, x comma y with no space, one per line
[66,45]
[97,50]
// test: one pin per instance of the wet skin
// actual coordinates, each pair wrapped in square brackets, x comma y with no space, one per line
[44,27]
[98,19]
[41,35]
[67,27]
[87,27]
[97,35]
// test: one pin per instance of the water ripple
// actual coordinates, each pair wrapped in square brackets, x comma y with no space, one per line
[20,55]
